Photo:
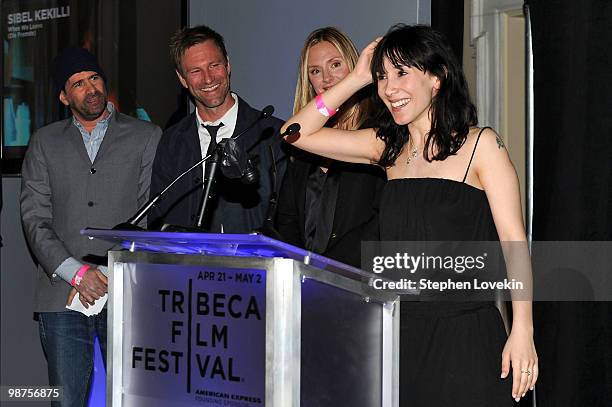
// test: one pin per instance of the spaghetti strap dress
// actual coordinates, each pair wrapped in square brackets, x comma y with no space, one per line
[450,352]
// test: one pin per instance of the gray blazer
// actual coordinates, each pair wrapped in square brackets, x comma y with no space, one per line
[62,192]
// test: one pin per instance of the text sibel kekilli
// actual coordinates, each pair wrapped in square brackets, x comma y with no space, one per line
[38,15]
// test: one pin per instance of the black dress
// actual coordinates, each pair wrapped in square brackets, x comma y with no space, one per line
[450,352]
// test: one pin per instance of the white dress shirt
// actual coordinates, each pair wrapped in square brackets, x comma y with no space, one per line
[229,124]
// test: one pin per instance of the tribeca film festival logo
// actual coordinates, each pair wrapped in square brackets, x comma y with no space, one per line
[407,263]
[209,364]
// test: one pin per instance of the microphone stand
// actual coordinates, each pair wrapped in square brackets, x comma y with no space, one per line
[267,228]
[132,223]
[211,170]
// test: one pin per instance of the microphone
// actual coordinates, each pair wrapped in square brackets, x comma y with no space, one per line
[291,130]
[250,174]
[234,162]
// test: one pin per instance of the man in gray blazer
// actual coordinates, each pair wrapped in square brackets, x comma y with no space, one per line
[91,170]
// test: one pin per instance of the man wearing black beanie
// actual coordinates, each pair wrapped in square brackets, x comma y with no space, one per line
[79,66]
[91,170]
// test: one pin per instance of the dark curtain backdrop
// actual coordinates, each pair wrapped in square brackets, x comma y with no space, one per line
[572,47]
[447,17]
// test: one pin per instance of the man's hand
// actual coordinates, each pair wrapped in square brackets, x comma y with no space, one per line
[71,295]
[93,286]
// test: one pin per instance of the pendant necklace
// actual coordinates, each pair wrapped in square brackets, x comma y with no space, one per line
[412,155]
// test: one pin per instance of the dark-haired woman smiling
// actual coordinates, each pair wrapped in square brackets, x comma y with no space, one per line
[448,181]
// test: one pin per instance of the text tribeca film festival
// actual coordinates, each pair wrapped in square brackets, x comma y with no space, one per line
[196,333]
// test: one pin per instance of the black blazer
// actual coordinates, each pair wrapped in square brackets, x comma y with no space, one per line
[241,208]
[355,212]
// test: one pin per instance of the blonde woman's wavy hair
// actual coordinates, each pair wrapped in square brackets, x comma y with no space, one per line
[352,114]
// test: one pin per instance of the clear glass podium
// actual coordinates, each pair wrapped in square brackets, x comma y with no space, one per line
[200,319]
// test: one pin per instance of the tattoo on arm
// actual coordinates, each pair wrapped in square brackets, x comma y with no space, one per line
[500,142]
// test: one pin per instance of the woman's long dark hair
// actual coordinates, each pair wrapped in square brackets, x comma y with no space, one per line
[452,112]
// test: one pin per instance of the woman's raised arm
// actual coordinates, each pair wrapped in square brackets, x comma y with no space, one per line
[359,146]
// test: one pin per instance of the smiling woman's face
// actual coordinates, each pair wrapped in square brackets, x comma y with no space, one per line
[407,92]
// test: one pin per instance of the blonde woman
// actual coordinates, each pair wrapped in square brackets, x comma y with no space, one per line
[326,206]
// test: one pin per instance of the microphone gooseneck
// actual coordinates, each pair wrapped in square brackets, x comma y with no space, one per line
[132,223]
[265,113]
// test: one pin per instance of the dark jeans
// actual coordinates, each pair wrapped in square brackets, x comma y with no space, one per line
[67,338]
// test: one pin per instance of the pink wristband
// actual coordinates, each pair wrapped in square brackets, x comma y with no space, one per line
[324,110]
[76,280]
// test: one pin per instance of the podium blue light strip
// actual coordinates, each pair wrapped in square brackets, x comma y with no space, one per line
[234,245]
